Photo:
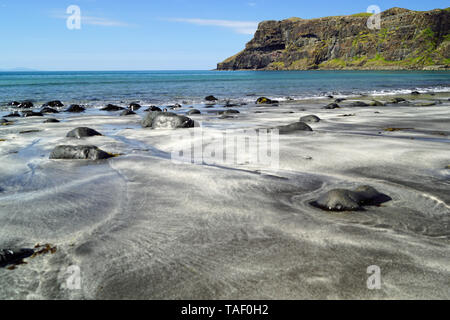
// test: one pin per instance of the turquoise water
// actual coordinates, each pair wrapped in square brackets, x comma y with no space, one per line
[160,87]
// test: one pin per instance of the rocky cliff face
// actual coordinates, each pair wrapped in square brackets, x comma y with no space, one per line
[407,40]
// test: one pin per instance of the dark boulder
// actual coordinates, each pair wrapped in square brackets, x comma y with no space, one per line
[175,106]
[12,256]
[359,104]
[264,100]
[13,115]
[350,200]
[339,100]
[13,104]
[211,98]
[332,106]
[51,120]
[28,114]
[148,119]
[134,106]
[75,108]
[53,104]
[167,120]
[310,119]
[231,105]
[153,108]
[26,105]
[49,110]
[127,113]
[79,153]
[415,93]
[193,111]
[294,127]
[228,112]
[112,108]
[82,132]
[397,100]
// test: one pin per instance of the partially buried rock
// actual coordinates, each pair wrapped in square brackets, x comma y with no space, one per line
[331,106]
[51,120]
[26,105]
[13,104]
[193,111]
[148,120]
[229,111]
[350,200]
[75,108]
[426,104]
[175,106]
[12,256]
[111,108]
[376,103]
[294,127]
[83,132]
[54,104]
[264,100]
[415,93]
[167,120]
[27,114]
[153,108]
[134,106]
[359,104]
[397,100]
[211,98]
[79,153]
[13,115]
[49,110]
[310,119]
[127,113]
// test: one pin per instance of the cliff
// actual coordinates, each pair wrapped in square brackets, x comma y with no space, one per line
[407,39]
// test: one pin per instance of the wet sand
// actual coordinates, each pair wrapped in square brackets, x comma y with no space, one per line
[141,226]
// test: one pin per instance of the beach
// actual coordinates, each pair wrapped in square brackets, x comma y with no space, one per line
[141,225]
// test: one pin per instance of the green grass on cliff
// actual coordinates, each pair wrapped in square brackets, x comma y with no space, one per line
[362,14]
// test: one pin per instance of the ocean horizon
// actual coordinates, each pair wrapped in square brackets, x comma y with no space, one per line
[190,87]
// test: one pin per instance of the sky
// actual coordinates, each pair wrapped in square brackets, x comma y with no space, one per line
[150,34]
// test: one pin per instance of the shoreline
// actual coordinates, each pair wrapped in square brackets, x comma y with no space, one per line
[141,226]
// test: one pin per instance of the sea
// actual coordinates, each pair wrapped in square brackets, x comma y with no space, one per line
[95,88]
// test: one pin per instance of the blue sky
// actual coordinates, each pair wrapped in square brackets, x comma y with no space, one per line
[150,34]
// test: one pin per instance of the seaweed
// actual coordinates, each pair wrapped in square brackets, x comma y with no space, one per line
[397,129]
[44,249]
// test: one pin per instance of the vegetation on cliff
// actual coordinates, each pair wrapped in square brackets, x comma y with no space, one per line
[407,39]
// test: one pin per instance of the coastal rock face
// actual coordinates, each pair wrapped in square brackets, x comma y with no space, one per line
[407,40]
[79,153]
